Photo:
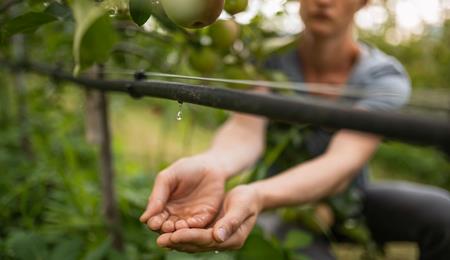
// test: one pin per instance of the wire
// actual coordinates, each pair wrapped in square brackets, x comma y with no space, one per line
[316,88]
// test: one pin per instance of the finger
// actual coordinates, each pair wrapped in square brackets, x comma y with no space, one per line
[200,240]
[193,236]
[237,239]
[164,240]
[233,218]
[199,221]
[180,224]
[189,248]
[158,198]
[155,222]
[169,225]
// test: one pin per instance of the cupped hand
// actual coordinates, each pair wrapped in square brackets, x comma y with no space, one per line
[241,207]
[187,194]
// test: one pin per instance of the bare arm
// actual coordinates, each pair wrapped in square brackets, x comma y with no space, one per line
[323,176]
[238,143]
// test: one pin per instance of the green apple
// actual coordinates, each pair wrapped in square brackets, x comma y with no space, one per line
[224,33]
[193,13]
[160,15]
[204,60]
[235,6]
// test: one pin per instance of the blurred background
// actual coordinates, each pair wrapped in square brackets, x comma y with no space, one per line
[50,189]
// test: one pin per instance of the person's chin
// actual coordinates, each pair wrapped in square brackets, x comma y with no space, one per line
[321,31]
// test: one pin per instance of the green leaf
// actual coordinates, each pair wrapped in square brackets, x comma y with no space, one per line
[58,10]
[297,239]
[68,250]
[256,247]
[140,11]
[100,251]
[27,246]
[37,5]
[36,2]
[26,23]
[174,255]
[94,35]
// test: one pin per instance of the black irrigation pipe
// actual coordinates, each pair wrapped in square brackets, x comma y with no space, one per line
[414,129]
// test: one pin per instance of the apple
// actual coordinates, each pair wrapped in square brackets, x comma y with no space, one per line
[193,13]
[159,13]
[235,6]
[224,33]
[204,60]
[324,215]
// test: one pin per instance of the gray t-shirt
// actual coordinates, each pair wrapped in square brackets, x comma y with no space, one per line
[381,79]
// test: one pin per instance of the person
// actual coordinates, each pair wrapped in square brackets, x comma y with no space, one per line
[189,206]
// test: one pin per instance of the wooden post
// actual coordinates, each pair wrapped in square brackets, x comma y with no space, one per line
[98,132]
[18,49]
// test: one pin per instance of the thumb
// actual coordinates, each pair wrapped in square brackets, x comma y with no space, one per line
[159,196]
[234,217]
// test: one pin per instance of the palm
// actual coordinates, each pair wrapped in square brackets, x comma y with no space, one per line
[195,201]
[190,195]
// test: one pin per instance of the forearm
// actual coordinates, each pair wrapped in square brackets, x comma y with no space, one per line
[322,176]
[304,183]
[238,143]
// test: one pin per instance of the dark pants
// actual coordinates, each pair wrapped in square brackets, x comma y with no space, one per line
[396,211]
[409,212]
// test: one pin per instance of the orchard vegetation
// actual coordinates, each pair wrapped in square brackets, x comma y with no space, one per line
[51,199]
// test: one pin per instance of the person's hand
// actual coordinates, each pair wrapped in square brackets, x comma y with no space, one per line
[241,207]
[188,194]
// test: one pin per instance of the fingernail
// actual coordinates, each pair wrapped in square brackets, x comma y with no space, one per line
[222,234]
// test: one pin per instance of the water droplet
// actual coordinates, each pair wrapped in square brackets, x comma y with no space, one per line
[216,252]
[179,116]
[113,12]
[180,111]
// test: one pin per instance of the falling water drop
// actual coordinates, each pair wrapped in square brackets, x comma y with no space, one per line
[113,12]
[180,111]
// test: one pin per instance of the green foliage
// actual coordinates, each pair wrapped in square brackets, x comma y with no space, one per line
[69,249]
[27,246]
[140,11]
[50,202]
[426,58]
[265,248]
[402,161]
[297,239]
[26,23]
[94,35]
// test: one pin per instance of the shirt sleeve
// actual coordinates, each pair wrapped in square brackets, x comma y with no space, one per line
[388,88]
